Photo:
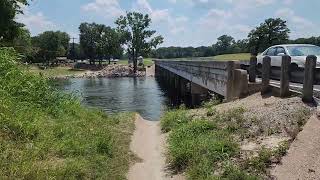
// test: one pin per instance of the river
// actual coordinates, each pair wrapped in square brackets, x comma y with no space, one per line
[142,95]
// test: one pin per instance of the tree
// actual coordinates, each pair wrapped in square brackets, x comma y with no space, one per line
[76,53]
[51,44]
[22,44]
[134,30]
[99,41]
[271,32]
[224,44]
[9,28]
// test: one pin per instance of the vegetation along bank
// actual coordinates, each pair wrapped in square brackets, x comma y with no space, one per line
[45,134]
[237,140]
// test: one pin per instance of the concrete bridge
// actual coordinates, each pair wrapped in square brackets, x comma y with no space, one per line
[197,77]
[235,79]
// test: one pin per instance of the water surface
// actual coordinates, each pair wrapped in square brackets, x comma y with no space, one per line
[142,95]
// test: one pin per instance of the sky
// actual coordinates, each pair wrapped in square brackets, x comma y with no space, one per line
[180,22]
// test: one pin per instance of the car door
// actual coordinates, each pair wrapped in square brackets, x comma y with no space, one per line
[277,59]
[272,54]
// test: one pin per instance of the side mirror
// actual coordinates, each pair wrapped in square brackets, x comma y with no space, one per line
[281,54]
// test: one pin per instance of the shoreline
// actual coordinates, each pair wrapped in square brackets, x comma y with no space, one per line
[111,72]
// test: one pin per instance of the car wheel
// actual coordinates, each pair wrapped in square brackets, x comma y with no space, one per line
[293,67]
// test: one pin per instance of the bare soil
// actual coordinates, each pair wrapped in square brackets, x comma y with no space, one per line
[149,145]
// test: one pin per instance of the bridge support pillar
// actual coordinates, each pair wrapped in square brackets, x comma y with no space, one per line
[198,94]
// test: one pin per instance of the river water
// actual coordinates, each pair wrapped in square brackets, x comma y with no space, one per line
[142,95]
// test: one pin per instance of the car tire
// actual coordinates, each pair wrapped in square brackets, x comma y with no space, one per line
[293,67]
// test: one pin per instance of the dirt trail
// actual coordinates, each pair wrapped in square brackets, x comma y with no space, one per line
[148,144]
[303,159]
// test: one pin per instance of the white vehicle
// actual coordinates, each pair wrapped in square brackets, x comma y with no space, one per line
[297,52]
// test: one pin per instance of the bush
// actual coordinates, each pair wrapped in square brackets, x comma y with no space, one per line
[45,134]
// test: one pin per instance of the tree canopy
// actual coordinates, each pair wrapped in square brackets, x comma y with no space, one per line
[9,28]
[271,32]
[135,32]
[51,44]
[99,41]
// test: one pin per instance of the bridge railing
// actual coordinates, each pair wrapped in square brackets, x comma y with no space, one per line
[308,76]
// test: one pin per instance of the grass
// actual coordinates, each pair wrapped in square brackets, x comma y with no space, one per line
[146,61]
[204,148]
[224,57]
[239,56]
[54,72]
[48,135]
[207,147]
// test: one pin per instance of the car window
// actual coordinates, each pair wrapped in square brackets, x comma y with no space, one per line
[271,52]
[304,50]
[280,50]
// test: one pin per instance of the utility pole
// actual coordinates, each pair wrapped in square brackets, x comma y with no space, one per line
[73,50]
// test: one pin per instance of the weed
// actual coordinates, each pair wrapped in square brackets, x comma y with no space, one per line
[173,119]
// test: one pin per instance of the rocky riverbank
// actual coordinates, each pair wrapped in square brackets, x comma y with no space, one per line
[110,71]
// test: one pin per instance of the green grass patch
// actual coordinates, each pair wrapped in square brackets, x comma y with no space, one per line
[147,62]
[45,134]
[239,56]
[205,148]
[54,72]
[224,57]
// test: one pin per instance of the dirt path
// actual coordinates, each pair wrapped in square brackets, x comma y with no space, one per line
[148,144]
[303,159]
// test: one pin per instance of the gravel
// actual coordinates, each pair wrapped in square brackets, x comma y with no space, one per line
[111,71]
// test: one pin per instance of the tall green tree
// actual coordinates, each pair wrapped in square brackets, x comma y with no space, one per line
[224,44]
[51,44]
[22,44]
[9,28]
[99,41]
[271,32]
[135,32]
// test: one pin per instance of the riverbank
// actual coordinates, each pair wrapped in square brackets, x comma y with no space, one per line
[107,71]
[243,139]
[45,134]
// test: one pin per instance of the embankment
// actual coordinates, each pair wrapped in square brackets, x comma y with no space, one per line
[243,139]
[45,134]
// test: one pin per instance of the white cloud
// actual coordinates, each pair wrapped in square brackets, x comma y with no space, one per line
[106,8]
[36,22]
[300,26]
[157,15]
[162,17]
[290,15]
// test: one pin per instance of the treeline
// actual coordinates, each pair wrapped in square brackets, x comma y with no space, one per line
[270,32]
[225,45]
[130,38]
[97,41]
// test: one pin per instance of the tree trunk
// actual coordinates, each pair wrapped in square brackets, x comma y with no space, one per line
[135,65]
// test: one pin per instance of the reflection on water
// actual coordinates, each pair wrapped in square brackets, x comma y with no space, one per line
[141,95]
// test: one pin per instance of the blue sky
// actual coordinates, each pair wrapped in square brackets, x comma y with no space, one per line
[181,22]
